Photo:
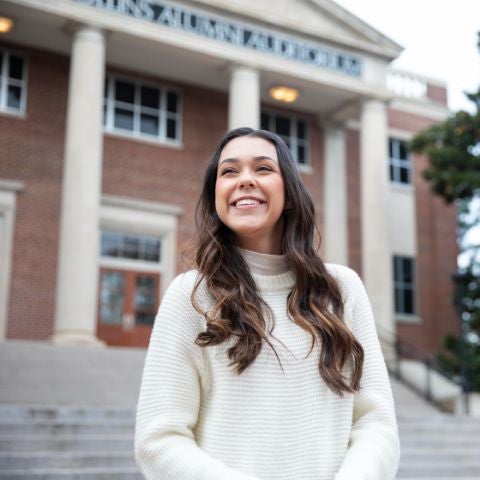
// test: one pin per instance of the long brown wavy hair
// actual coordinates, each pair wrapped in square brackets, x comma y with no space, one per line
[237,311]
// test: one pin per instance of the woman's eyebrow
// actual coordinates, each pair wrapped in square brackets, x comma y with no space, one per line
[257,158]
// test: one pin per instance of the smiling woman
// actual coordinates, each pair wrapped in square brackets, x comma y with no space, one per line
[264,362]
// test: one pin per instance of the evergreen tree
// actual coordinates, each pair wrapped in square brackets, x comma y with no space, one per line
[453,148]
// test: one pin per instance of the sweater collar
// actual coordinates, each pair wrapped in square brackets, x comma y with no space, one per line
[271,272]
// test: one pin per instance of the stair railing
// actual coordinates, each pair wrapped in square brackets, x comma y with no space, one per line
[404,350]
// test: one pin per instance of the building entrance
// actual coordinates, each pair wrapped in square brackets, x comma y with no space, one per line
[128,303]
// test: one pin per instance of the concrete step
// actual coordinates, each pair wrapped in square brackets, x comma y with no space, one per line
[62,443]
[37,460]
[65,427]
[72,474]
[427,469]
[67,414]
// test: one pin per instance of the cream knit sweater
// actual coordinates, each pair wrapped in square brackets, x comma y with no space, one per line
[197,420]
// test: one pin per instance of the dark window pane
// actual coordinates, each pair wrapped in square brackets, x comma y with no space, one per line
[398,302]
[14,96]
[403,150]
[390,148]
[144,318]
[301,156]
[407,270]
[123,119]
[152,250]
[16,67]
[408,297]
[124,92]
[264,118]
[172,102]
[282,126]
[404,175]
[150,97]
[145,299]
[130,247]
[105,87]
[149,124]
[301,129]
[391,173]
[171,128]
[110,245]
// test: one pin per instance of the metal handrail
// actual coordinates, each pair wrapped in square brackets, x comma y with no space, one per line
[406,350]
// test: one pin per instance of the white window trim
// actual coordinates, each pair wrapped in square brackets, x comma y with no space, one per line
[23,84]
[138,217]
[8,197]
[108,125]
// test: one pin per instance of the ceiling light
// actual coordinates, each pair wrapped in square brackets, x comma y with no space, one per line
[6,24]
[284,94]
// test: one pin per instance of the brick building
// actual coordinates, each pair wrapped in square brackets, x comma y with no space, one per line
[110,109]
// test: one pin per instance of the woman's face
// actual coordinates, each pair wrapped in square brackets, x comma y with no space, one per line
[250,193]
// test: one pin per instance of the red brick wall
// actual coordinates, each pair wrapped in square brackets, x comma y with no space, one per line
[436,262]
[437,94]
[436,252]
[32,152]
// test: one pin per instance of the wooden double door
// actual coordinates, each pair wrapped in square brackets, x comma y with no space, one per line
[127,305]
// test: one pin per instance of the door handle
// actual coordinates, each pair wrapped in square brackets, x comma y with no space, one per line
[128,321]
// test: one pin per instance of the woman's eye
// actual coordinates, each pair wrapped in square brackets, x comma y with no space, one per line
[227,170]
[264,168]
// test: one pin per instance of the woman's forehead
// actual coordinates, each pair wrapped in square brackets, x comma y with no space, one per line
[249,147]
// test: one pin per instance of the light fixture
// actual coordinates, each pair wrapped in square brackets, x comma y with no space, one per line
[6,24]
[284,94]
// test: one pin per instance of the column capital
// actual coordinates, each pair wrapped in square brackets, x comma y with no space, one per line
[86,30]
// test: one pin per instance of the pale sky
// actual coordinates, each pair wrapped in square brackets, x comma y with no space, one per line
[439,39]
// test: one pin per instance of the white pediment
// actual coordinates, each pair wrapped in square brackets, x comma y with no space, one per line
[323,20]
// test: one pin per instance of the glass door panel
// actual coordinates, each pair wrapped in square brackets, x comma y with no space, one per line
[112,297]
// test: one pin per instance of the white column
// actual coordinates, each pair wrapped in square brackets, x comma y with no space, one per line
[335,231]
[244,98]
[376,252]
[75,320]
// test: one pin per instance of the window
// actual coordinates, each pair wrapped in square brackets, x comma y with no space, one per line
[134,247]
[404,284]
[400,162]
[13,82]
[140,110]
[292,129]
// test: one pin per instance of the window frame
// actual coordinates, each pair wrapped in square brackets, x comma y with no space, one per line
[145,237]
[395,163]
[399,285]
[6,81]
[109,104]
[294,140]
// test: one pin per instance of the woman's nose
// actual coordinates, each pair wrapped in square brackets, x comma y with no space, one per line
[246,180]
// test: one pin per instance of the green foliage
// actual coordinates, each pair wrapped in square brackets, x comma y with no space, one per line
[453,149]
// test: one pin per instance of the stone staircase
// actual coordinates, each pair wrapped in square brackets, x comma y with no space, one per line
[96,443]
[435,445]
